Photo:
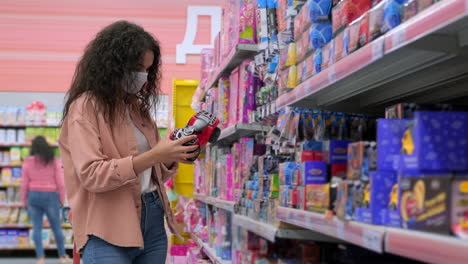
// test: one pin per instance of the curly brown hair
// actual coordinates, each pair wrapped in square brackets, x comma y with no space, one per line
[107,65]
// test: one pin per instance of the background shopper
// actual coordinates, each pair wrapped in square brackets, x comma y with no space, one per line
[43,193]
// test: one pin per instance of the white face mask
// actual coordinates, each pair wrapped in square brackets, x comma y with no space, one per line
[138,80]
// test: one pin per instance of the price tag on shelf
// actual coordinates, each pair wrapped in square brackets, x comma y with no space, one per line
[372,240]
[377,49]
[340,229]
[399,36]
[331,74]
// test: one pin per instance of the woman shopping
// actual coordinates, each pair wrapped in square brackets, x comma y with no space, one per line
[114,161]
[43,193]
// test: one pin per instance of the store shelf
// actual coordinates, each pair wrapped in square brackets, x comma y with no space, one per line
[11,205]
[367,236]
[422,60]
[9,165]
[232,60]
[216,202]
[271,232]
[23,145]
[24,125]
[210,252]
[7,226]
[32,248]
[235,132]
[430,248]
[9,185]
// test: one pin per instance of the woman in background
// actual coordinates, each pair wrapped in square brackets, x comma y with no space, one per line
[43,192]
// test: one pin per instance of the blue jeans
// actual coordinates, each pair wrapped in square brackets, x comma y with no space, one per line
[48,203]
[98,251]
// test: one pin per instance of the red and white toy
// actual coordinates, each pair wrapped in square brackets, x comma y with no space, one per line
[204,125]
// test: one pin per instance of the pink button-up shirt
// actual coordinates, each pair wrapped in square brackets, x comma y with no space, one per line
[37,176]
[103,190]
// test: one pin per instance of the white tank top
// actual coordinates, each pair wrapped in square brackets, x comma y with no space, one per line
[143,146]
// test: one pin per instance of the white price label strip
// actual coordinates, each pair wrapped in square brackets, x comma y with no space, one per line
[399,37]
[331,74]
[340,230]
[372,240]
[377,49]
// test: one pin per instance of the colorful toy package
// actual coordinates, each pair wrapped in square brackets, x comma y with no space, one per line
[248,87]
[304,45]
[424,203]
[347,11]
[320,34]
[302,20]
[314,172]
[328,52]
[459,208]
[362,158]
[318,197]
[376,197]
[234,97]
[389,135]
[288,55]
[341,46]
[223,102]
[335,151]
[436,141]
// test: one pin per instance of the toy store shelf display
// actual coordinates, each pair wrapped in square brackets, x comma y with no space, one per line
[18,127]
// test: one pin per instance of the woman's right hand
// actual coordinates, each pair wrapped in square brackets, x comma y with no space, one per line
[169,151]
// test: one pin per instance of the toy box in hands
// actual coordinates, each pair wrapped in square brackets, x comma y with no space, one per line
[436,141]
[389,135]
[424,203]
[347,11]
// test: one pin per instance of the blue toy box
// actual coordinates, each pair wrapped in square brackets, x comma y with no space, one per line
[436,141]
[335,151]
[314,172]
[389,136]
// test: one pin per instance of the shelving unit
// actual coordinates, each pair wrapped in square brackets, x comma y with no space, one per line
[232,60]
[409,62]
[32,248]
[5,226]
[210,252]
[367,236]
[216,202]
[426,247]
[240,130]
[11,204]
[24,145]
[23,125]
[271,232]
[421,246]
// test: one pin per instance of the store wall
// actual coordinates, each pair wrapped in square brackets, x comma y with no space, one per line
[42,40]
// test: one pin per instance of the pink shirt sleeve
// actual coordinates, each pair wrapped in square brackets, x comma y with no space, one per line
[59,179]
[25,182]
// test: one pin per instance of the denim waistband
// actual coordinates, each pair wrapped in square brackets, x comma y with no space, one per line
[150,196]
